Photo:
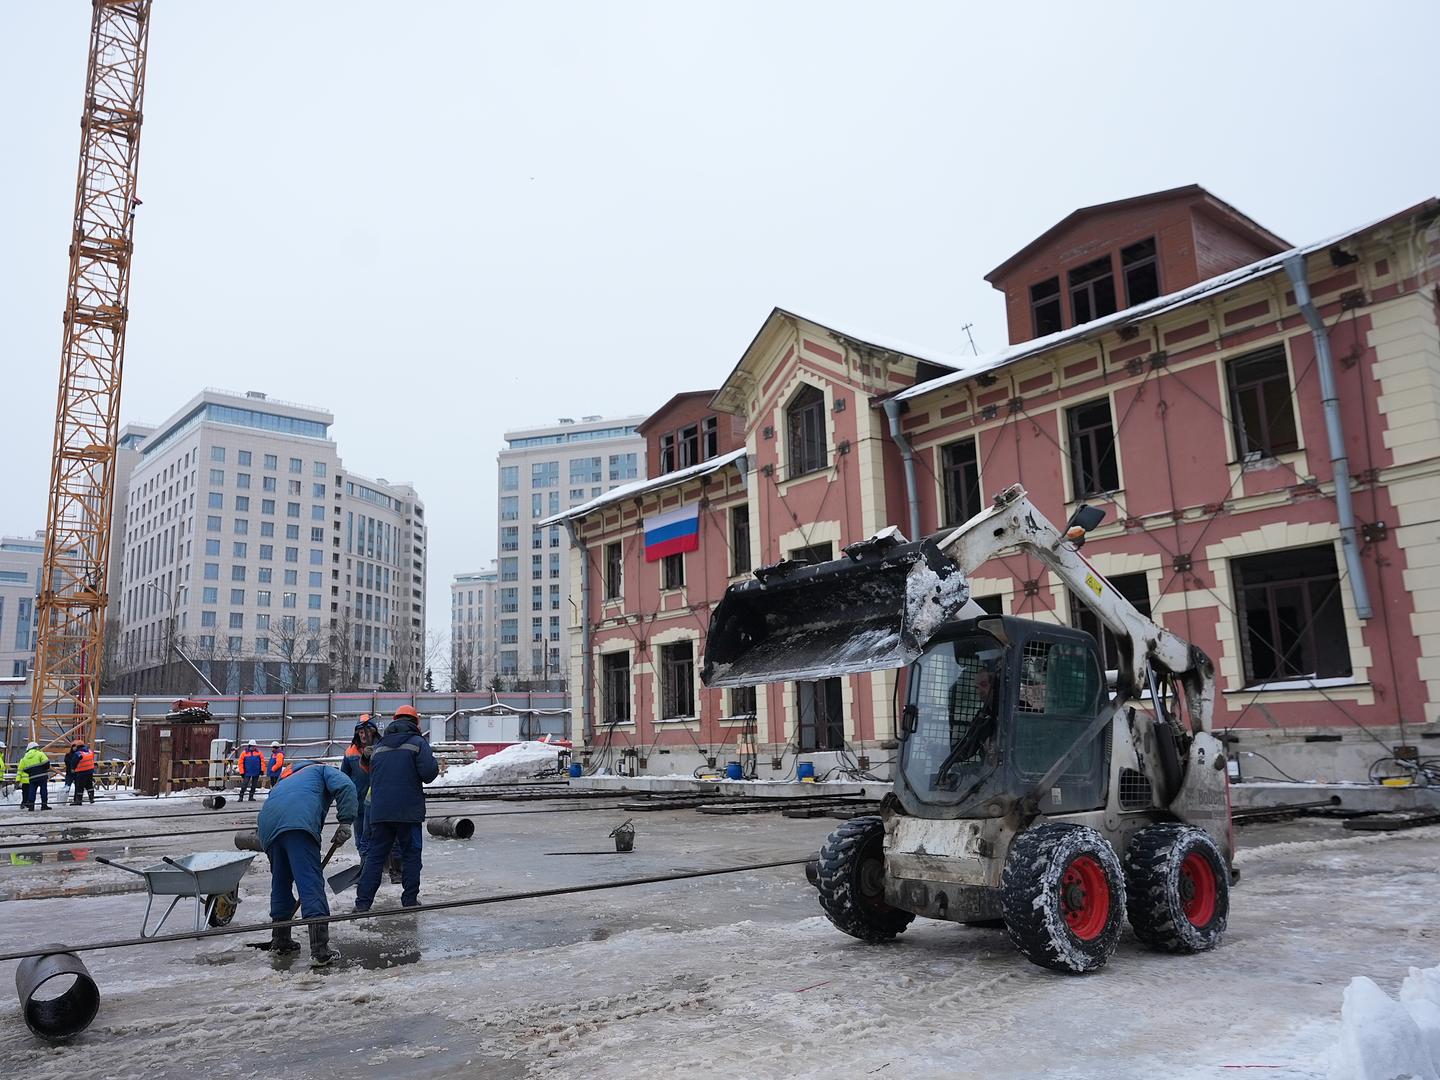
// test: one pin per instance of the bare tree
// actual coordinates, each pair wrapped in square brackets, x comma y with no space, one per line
[343,653]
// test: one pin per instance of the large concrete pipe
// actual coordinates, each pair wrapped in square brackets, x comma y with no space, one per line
[57,995]
[451,828]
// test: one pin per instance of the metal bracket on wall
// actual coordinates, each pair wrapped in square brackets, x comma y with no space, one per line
[1158,360]
[767,432]
[1181,564]
[1374,532]
[989,412]
[1016,405]
[1032,587]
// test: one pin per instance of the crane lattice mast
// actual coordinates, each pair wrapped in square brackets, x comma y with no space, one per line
[73,592]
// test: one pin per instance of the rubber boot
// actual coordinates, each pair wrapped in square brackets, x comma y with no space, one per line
[320,954]
[282,941]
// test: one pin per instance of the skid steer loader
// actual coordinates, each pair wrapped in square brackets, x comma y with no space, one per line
[1026,793]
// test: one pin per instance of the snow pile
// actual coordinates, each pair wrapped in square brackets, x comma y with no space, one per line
[518,763]
[1382,1039]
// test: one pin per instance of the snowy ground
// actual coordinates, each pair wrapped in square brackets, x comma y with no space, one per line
[739,973]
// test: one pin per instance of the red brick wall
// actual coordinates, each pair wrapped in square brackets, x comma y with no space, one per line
[681,414]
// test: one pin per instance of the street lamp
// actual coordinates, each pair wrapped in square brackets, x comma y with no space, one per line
[172,599]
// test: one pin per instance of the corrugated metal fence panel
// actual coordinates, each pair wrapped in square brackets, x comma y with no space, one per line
[325,720]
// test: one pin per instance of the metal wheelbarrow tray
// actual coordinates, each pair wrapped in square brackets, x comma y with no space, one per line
[211,877]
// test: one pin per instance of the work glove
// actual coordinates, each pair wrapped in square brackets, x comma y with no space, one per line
[343,833]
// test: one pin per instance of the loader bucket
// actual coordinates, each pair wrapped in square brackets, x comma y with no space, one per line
[873,609]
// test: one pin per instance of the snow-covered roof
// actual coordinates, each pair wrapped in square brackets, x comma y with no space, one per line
[642,487]
[1160,305]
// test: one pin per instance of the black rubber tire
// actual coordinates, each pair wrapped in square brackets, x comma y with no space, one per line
[1031,896]
[851,882]
[222,908]
[1157,891]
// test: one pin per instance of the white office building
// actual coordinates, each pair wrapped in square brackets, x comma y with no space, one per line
[248,544]
[472,625]
[543,471]
[20,559]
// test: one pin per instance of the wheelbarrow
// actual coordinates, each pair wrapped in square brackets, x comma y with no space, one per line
[212,878]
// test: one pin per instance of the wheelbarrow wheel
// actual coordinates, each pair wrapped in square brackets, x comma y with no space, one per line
[222,908]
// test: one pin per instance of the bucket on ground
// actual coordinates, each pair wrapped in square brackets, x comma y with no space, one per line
[804,770]
[57,995]
[624,835]
[733,771]
[451,828]
[576,769]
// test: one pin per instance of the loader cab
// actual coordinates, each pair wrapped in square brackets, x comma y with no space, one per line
[991,704]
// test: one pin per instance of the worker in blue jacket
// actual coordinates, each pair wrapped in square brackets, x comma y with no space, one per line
[401,764]
[356,765]
[289,827]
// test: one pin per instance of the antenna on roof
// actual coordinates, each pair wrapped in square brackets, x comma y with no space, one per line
[971,336]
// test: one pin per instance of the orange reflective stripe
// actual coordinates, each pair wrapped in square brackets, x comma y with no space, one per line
[352,751]
[86,762]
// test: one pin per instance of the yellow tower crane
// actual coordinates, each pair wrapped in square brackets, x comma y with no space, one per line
[73,592]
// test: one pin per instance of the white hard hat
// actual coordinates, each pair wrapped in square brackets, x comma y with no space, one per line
[32,746]
[274,744]
[249,742]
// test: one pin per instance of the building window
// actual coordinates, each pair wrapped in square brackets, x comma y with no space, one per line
[1133,587]
[667,453]
[1092,290]
[270,461]
[623,466]
[1141,272]
[613,571]
[677,680]
[709,438]
[1262,412]
[242,480]
[544,473]
[615,687]
[510,478]
[1292,624]
[815,553]
[1093,466]
[672,571]
[243,457]
[822,715]
[740,540]
[1045,306]
[806,421]
[297,466]
[961,471]
[509,538]
[267,483]
[742,701]
[217,453]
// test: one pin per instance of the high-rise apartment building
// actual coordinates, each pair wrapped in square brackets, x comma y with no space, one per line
[542,472]
[247,543]
[472,626]
[20,559]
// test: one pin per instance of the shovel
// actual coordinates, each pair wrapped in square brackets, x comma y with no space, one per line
[341,879]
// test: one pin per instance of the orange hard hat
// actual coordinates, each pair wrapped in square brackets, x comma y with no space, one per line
[407,710]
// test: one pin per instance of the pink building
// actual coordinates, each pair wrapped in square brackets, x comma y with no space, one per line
[1194,416]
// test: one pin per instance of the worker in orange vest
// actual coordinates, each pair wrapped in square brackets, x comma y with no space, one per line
[251,766]
[84,773]
[276,769]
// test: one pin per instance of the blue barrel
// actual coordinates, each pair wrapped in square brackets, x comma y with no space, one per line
[804,770]
[733,771]
[575,769]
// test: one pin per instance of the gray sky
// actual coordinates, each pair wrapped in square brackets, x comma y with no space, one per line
[442,220]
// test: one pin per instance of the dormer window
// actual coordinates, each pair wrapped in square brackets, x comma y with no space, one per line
[1045,306]
[1141,272]
[1092,290]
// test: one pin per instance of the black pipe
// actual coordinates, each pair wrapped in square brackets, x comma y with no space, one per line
[248,841]
[451,828]
[62,1016]
[213,802]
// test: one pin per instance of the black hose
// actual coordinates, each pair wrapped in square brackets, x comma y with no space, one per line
[384,913]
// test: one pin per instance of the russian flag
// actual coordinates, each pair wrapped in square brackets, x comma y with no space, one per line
[672,532]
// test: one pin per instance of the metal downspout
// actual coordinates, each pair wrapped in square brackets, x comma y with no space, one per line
[1339,463]
[907,455]
[587,719]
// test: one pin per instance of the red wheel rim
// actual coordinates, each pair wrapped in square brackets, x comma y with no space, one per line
[1085,898]
[1198,889]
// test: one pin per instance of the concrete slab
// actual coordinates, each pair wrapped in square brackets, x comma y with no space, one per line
[765,789]
[1255,794]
